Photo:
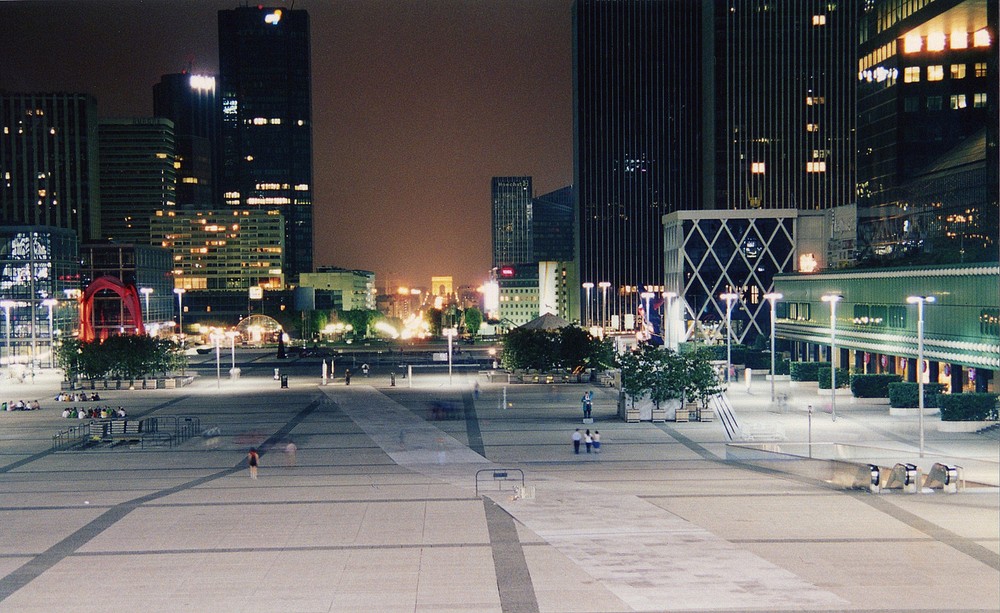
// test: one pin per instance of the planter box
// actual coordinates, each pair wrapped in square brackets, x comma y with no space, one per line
[913,412]
[880,402]
[632,416]
[842,392]
[170,384]
[964,426]
[780,378]
[706,415]
[659,415]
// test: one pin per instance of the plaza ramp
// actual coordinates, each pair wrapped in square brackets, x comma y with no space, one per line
[647,557]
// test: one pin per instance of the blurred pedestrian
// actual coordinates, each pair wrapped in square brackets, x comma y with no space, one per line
[290,450]
[347,377]
[253,459]
[577,437]
[597,441]
[588,440]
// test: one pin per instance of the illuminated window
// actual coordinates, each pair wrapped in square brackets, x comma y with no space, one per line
[935,73]
[259,121]
[958,71]
[980,69]
[935,41]
[815,100]
[758,168]
[933,103]
[812,127]
[958,101]
[912,43]
[815,166]
[981,38]
[190,180]
[819,20]
[979,101]
[911,74]
[959,39]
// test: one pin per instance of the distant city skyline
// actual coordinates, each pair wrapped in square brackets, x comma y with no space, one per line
[415,108]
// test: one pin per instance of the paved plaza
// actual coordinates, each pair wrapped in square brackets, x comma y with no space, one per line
[389,503]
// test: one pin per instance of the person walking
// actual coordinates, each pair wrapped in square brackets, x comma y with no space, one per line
[577,437]
[597,441]
[347,377]
[588,440]
[253,459]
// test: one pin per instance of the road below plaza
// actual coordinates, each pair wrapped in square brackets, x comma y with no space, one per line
[376,507]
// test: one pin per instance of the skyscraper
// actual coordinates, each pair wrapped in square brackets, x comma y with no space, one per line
[928,88]
[264,66]
[511,207]
[48,162]
[190,102]
[137,176]
[637,135]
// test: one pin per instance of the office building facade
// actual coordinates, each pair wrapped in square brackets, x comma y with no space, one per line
[49,162]
[137,176]
[190,102]
[928,86]
[266,122]
[511,199]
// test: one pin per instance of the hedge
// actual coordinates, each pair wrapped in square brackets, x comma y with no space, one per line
[806,371]
[967,407]
[823,376]
[873,386]
[907,395]
[761,361]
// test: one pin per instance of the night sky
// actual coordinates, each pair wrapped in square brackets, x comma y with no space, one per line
[416,105]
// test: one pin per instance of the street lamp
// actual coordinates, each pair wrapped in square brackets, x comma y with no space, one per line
[216,338]
[604,285]
[667,317]
[833,299]
[588,286]
[51,302]
[919,301]
[7,306]
[773,297]
[232,334]
[146,291]
[450,333]
[730,298]
[180,312]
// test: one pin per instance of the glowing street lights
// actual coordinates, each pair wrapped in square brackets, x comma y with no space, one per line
[7,305]
[51,302]
[730,298]
[773,297]
[832,300]
[919,301]
[667,317]
[180,312]
[604,285]
[450,333]
[587,286]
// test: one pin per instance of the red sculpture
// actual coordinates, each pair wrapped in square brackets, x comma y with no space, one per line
[130,300]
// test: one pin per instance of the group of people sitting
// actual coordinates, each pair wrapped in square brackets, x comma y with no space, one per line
[98,413]
[21,405]
[77,397]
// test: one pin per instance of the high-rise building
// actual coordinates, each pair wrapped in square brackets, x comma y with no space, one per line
[552,226]
[637,135]
[264,66]
[190,102]
[48,162]
[511,198]
[703,106]
[927,132]
[137,176]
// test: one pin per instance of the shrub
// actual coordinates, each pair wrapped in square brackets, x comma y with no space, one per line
[806,371]
[873,386]
[906,395]
[761,361]
[967,407]
[823,377]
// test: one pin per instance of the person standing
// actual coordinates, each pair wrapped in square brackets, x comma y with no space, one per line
[347,377]
[290,450]
[597,441]
[577,437]
[588,441]
[253,459]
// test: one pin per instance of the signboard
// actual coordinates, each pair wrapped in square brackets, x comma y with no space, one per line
[256,293]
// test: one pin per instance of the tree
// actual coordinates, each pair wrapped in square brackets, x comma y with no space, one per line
[473,320]
[703,382]
[121,357]
[433,318]
[360,320]
[649,369]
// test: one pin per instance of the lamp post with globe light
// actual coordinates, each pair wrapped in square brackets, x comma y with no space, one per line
[146,291]
[920,301]
[7,305]
[51,302]
[773,297]
[832,300]
[668,316]
[450,333]
[587,286]
[604,285]
[180,312]
[730,298]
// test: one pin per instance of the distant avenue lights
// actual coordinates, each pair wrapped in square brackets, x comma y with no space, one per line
[273,18]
